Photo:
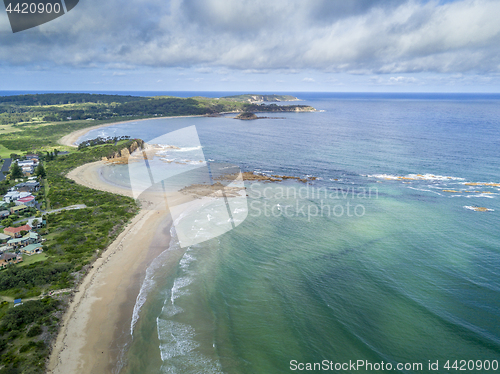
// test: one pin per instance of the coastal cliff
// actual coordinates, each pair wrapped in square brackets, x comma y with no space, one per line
[123,154]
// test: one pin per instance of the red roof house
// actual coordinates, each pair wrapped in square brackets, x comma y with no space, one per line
[15,232]
[28,201]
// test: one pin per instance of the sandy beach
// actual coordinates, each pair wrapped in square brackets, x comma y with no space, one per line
[95,317]
[70,139]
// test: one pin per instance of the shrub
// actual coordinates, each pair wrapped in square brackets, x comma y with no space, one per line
[34,331]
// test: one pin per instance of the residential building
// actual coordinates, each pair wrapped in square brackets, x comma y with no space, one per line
[29,186]
[39,223]
[18,209]
[32,249]
[29,238]
[9,258]
[15,232]
[28,166]
[11,195]
[28,201]
[4,214]
[26,163]
[28,170]
[4,238]
[32,157]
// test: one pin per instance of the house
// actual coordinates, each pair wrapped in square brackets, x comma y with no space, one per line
[29,238]
[18,302]
[9,258]
[27,201]
[11,195]
[32,249]
[29,186]
[31,163]
[28,170]
[4,238]
[18,209]
[32,157]
[15,243]
[15,232]
[28,166]
[39,223]
[4,214]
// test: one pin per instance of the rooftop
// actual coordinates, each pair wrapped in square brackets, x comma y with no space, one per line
[32,247]
[17,229]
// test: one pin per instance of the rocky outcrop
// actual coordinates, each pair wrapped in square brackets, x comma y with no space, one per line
[246,116]
[121,157]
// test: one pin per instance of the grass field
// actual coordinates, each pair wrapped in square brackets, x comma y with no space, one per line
[32,259]
[5,152]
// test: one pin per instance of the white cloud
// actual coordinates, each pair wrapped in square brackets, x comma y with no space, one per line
[214,36]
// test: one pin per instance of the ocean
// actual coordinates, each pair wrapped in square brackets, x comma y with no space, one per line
[389,255]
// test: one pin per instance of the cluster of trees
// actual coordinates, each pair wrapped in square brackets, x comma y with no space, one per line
[16,171]
[66,98]
[102,140]
[101,107]
[26,321]
[19,277]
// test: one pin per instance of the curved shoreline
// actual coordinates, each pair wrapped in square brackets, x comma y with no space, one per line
[70,139]
[86,342]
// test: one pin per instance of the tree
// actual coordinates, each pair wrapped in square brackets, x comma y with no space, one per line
[16,171]
[7,222]
[40,171]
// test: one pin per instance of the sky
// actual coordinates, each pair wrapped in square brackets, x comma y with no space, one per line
[259,45]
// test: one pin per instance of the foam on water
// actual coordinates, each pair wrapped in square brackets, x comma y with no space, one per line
[178,345]
[426,177]
[149,283]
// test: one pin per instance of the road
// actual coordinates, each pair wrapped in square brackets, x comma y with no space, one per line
[71,207]
[51,293]
[5,167]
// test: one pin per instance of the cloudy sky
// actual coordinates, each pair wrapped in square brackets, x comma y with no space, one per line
[264,45]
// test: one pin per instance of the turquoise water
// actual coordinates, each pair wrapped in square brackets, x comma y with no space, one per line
[395,271]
